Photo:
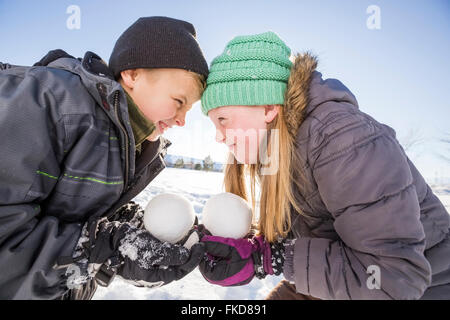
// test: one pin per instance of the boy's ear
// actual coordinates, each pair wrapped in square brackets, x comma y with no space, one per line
[129,77]
[270,112]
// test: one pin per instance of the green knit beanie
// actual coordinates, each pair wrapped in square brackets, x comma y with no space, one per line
[253,70]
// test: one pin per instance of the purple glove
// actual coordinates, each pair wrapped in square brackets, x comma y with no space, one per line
[234,262]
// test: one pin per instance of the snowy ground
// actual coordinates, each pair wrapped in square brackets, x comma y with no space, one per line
[443,193]
[198,186]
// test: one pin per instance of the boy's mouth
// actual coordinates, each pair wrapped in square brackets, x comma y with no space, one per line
[163,126]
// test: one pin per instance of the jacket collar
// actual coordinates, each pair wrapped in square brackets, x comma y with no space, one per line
[142,127]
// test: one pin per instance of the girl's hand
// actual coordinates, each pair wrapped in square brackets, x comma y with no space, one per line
[234,262]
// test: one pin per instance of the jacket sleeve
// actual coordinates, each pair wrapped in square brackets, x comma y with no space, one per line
[364,180]
[30,239]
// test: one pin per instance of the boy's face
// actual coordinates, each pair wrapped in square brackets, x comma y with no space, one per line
[164,96]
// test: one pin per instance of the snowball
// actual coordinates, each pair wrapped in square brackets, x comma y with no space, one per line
[169,217]
[227,215]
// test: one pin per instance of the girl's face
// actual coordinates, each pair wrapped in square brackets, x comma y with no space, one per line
[242,129]
[164,96]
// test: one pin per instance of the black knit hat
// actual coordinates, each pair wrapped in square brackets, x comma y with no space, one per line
[158,42]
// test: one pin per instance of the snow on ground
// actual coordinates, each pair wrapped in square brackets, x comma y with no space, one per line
[198,187]
[443,193]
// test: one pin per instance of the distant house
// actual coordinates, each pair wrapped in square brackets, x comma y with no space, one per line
[218,166]
[175,161]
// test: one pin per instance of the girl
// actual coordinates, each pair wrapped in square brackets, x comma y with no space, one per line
[345,215]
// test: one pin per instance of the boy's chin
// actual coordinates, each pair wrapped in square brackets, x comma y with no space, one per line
[154,136]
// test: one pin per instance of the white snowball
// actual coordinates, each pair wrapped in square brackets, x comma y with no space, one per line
[227,215]
[169,217]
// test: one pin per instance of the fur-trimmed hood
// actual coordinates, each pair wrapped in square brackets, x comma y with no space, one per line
[306,90]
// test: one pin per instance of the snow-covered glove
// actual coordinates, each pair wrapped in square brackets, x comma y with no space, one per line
[80,266]
[234,262]
[130,251]
[152,263]
[130,212]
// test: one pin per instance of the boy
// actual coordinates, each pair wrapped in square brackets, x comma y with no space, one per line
[79,141]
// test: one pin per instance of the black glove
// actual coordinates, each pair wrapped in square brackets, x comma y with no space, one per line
[130,212]
[150,262]
[125,248]
[139,257]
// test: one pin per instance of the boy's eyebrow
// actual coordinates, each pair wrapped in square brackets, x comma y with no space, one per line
[182,97]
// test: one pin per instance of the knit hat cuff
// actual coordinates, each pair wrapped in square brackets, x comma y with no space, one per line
[243,93]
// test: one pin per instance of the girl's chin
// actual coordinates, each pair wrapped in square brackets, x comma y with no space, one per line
[246,159]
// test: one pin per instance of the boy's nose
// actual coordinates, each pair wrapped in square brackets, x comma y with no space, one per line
[180,122]
[180,119]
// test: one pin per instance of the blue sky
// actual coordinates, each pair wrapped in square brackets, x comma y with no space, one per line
[398,73]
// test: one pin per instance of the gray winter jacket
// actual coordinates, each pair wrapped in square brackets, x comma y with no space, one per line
[371,227]
[67,155]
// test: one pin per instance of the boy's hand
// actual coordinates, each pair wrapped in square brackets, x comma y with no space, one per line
[130,212]
[149,262]
[123,246]
[139,257]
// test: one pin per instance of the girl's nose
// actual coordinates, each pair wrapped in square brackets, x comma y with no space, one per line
[220,137]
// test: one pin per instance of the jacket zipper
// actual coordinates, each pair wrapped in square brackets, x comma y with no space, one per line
[116,110]
[162,149]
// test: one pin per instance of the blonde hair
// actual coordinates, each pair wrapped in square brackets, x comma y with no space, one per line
[277,195]
[277,198]
[200,81]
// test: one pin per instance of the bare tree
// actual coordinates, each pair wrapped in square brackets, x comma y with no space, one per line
[413,139]
[179,163]
[208,163]
[445,152]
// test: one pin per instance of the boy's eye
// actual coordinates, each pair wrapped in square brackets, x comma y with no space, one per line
[180,103]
